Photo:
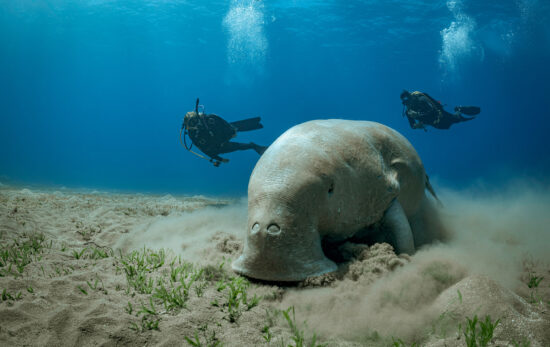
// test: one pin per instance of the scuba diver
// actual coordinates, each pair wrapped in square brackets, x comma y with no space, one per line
[211,134]
[421,110]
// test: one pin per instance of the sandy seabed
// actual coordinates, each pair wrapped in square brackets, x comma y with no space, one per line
[95,268]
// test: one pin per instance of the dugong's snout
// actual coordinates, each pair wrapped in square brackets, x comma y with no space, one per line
[275,252]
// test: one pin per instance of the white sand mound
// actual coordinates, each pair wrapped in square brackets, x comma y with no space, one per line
[480,296]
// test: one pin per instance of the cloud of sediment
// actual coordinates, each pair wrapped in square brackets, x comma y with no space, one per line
[494,233]
[193,234]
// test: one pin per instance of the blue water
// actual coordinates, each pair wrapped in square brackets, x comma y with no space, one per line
[92,92]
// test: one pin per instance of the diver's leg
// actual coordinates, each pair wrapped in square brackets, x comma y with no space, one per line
[445,120]
[228,147]
[237,146]
[396,225]
[444,124]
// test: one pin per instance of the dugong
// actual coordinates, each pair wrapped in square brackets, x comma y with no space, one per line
[327,181]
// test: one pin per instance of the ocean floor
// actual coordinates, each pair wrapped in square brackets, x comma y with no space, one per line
[96,268]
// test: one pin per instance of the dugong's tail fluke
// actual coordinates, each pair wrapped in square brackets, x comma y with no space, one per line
[432,191]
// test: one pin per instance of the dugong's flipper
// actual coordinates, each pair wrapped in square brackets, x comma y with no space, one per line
[396,225]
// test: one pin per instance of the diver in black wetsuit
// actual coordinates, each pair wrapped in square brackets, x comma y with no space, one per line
[421,110]
[211,134]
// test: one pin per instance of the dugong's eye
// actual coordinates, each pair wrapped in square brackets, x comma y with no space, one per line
[331,189]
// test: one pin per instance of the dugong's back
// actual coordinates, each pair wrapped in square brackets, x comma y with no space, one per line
[344,137]
[363,152]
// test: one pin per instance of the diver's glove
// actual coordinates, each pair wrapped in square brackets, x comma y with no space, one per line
[419,126]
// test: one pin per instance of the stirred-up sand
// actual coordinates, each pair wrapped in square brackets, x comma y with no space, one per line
[88,269]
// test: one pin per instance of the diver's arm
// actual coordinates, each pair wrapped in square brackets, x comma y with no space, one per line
[411,122]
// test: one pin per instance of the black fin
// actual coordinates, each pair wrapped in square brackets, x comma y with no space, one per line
[468,110]
[248,124]
[464,119]
[258,148]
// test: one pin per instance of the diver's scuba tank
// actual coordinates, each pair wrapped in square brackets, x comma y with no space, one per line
[468,110]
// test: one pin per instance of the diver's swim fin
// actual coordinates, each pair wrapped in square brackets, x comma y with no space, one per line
[258,148]
[468,110]
[464,119]
[247,124]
